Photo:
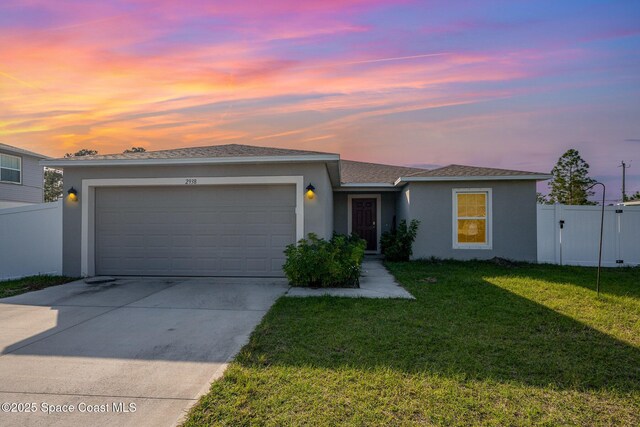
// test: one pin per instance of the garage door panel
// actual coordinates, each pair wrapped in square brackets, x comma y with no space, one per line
[207,241]
[184,241]
[231,217]
[206,218]
[157,241]
[231,265]
[153,217]
[280,217]
[258,265]
[196,231]
[108,218]
[138,252]
[280,240]
[258,218]
[277,262]
[257,241]
[129,241]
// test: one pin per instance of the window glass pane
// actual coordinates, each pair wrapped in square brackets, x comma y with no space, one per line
[463,204]
[472,205]
[480,205]
[9,175]
[472,231]
[9,162]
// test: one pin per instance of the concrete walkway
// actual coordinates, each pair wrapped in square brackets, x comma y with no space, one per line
[152,343]
[375,282]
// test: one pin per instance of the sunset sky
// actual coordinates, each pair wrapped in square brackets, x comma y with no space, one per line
[509,84]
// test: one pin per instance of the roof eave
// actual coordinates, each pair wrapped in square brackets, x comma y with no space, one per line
[21,152]
[535,177]
[366,184]
[61,163]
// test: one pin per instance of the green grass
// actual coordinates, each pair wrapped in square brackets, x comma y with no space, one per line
[483,345]
[9,288]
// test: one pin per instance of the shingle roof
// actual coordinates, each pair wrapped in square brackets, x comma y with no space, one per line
[228,150]
[18,150]
[352,172]
[462,171]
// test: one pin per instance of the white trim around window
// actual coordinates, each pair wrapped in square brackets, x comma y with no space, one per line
[19,170]
[489,218]
[378,198]
[87,201]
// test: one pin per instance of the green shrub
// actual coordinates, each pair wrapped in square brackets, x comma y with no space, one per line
[397,245]
[316,262]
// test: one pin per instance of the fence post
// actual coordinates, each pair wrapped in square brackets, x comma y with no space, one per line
[619,210]
[558,213]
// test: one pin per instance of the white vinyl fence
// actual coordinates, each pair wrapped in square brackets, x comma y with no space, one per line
[31,240]
[575,241]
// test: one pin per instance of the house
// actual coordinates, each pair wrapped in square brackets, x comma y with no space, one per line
[230,210]
[21,177]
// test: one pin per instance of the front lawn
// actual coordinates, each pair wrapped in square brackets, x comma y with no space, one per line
[9,288]
[482,345]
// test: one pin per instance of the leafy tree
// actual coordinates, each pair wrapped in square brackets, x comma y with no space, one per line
[52,184]
[542,199]
[81,152]
[571,180]
[135,150]
[634,197]
[397,245]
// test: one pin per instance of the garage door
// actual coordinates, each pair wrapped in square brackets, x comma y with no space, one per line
[194,230]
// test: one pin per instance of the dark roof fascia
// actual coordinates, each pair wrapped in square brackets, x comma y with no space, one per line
[531,177]
[62,163]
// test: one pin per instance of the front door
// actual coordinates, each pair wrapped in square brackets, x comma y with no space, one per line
[363,221]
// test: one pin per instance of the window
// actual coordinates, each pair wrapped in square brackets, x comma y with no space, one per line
[10,169]
[472,218]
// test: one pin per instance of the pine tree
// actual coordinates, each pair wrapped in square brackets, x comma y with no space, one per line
[571,180]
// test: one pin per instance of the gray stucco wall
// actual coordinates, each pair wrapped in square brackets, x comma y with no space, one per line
[340,211]
[514,219]
[30,190]
[328,204]
[318,213]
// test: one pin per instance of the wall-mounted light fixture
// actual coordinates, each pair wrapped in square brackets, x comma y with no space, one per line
[310,192]
[73,194]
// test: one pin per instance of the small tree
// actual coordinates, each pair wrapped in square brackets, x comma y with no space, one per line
[135,150]
[571,180]
[542,199]
[634,197]
[82,152]
[397,245]
[52,184]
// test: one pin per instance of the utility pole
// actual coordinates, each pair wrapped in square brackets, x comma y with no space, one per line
[624,167]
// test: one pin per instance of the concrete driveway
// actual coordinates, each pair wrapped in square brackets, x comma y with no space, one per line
[152,343]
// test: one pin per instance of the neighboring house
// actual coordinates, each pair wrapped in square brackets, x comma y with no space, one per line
[21,177]
[230,210]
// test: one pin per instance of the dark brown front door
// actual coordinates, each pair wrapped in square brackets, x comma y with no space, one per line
[363,221]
